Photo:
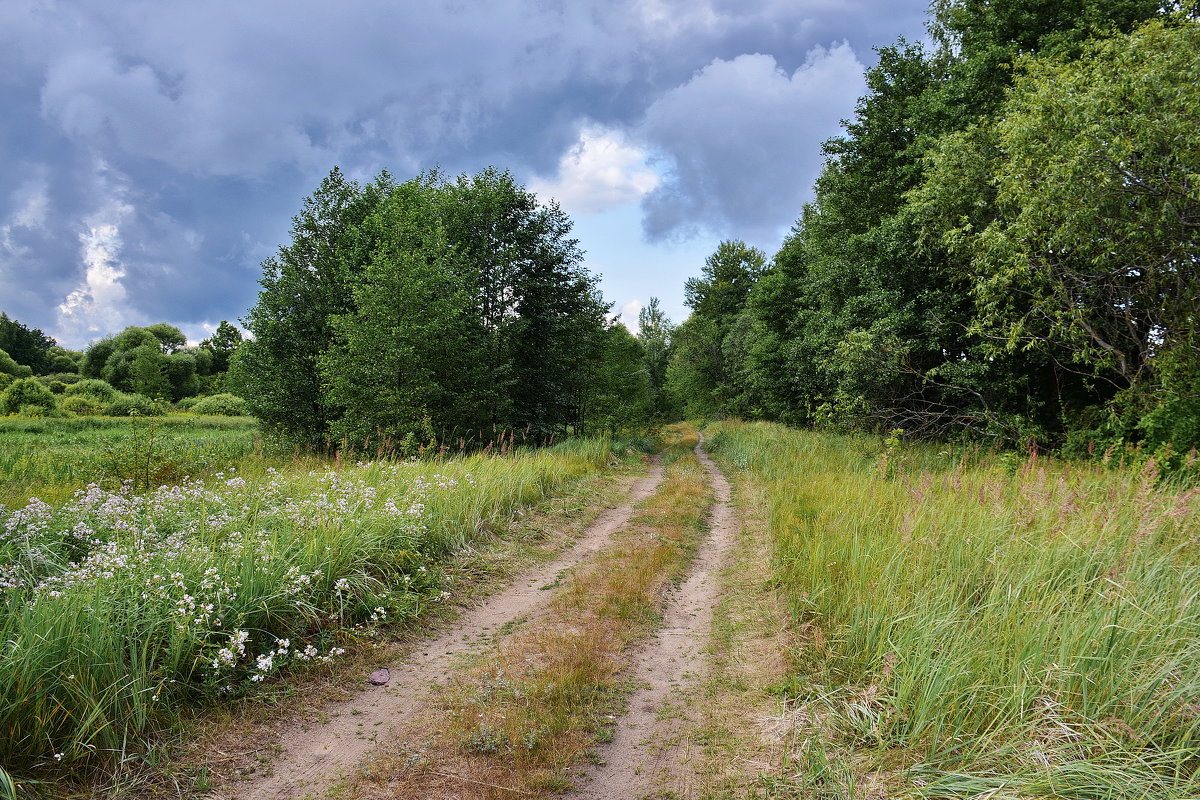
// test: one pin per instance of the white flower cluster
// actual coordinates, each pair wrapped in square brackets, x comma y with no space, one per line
[200,556]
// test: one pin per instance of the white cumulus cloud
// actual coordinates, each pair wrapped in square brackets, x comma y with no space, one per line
[98,305]
[601,171]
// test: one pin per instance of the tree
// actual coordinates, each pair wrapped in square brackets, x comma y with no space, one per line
[461,302]
[654,333]
[25,345]
[151,361]
[863,319]
[695,374]
[397,358]
[727,278]
[1087,252]
[9,366]
[538,307]
[698,379]
[308,283]
[222,345]
[170,338]
[619,396]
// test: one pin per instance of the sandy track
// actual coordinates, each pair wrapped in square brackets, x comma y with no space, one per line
[314,757]
[639,760]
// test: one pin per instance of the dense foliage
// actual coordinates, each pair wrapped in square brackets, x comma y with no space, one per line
[431,309]
[1002,244]
[117,375]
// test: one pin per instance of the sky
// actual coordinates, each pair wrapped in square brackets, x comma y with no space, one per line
[152,153]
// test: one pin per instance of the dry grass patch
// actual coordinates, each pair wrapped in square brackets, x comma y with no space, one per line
[518,721]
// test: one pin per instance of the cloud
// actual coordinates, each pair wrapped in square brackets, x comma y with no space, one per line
[218,117]
[628,313]
[98,304]
[601,172]
[740,136]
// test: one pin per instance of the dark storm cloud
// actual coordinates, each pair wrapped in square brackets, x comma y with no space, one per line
[153,152]
[740,135]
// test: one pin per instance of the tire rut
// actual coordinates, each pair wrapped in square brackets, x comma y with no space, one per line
[314,757]
[638,762]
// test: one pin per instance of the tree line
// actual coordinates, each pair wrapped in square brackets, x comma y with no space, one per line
[1003,244]
[434,309]
[137,371]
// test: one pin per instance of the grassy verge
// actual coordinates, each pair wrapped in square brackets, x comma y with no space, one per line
[978,628]
[520,718]
[117,608]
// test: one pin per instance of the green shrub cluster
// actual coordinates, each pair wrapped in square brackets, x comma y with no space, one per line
[223,405]
[29,397]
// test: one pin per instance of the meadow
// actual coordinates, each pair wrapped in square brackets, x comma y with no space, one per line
[979,625]
[51,458]
[120,604]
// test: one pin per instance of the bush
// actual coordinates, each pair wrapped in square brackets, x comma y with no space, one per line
[133,405]
[224,405]
[27,392]
[82,405]
[39,412]
[187,403]
[93,387]
[10,367]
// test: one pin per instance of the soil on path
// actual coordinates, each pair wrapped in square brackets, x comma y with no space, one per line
[312,758]
[645,747]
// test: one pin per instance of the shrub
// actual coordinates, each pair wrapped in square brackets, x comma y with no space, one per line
[82,405]
[133,405]
[39,412]
[224,405]
[8,366]
[27,392]
[187,403]
[93,387]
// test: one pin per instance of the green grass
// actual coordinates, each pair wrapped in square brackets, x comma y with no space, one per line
[51,458]
[117,607]
[981,627]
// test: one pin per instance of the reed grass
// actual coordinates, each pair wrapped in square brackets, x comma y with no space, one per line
[982,628]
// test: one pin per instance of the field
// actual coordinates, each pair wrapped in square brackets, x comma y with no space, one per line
[980,626]
[51,458]
[959,623]
[119,605]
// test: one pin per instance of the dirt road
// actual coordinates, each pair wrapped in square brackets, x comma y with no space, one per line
[314,757]
[640,759]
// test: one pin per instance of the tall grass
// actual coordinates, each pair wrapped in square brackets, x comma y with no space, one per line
[116,607]
[983,628]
